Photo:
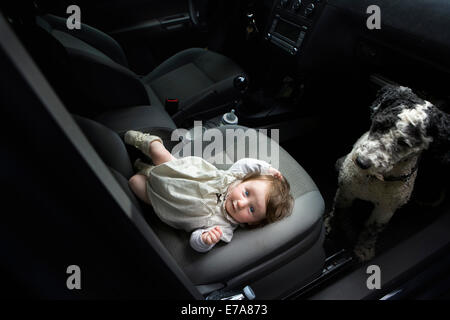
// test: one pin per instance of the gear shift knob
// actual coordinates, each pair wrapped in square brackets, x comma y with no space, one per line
[241,83]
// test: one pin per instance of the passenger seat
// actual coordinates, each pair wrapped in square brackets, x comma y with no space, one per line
[275,260]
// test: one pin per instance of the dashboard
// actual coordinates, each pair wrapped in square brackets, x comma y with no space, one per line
[290,22]
[416,25]
[330,38]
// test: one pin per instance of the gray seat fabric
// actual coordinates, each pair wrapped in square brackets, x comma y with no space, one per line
[100,70]
[142,118]
[192,74]
[108,145]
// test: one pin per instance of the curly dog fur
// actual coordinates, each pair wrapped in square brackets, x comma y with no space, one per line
[382,166]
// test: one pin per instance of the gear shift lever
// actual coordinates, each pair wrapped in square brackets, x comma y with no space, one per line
[241,83]
[230,118]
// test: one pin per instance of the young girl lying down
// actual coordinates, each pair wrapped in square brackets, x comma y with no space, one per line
[191,194]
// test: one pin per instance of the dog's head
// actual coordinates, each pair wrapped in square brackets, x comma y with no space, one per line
[403,125]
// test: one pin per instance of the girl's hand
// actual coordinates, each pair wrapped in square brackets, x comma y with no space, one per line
[277,174]
[212,236]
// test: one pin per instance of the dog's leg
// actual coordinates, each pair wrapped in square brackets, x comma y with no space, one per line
[342,200]
[379,218]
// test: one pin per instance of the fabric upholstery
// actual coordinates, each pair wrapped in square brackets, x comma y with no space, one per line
[142,118]
[98,67]
[181,83]
[193,74]
[215,66]
[108,145]
[91,36]
[100,71]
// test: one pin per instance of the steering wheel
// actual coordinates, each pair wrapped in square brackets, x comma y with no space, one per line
[198,10]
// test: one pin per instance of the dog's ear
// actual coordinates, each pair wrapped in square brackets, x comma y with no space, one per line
[386,93]
[439,129]
[389,96]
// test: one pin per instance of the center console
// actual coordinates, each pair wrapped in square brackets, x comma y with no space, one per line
[290,22]
[281,83]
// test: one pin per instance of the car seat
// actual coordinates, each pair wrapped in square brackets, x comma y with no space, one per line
[274,260]
[200,79]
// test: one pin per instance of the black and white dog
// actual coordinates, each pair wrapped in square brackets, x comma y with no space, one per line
[382,166]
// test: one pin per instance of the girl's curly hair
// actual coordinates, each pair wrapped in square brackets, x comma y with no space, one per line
[279,202]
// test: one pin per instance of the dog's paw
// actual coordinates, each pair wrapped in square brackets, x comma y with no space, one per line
[364,252]
[327,224]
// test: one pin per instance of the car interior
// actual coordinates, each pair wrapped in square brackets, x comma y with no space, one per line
[307,70]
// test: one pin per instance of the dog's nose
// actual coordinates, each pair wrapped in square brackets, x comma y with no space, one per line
[363,163]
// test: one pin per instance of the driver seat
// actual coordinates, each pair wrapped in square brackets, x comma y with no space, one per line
[200,79]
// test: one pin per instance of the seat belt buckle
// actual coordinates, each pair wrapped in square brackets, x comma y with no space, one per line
[172,105]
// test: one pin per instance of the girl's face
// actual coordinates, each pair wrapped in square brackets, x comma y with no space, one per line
[246,202]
